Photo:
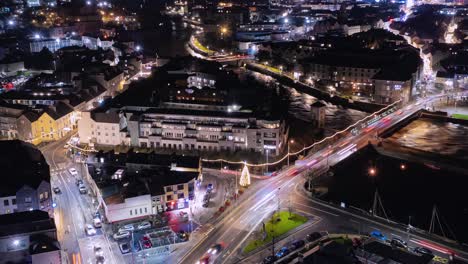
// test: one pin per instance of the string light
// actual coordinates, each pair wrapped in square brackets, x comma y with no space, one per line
[307,147]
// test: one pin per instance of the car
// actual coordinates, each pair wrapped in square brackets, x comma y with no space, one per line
[82,189]
[215,249]
[144,225]
[100,260]
[377,234]
[79,182]
[147,244]
[210,187]
[73,171]
[121,235]
[184,216]
[89,230]
[313,236]
[282,252]
[269,259]
[397,242]
[57,190]
[97,222]
[204,260]
[128,227]
[422,250]
[124,248]
[297,244]
[98,251]
[205,203]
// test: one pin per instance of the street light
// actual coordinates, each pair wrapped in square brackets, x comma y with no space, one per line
[289,142]
[372,171]
[403,166]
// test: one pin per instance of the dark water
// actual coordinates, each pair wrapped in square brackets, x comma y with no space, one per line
[432,136]
[410,192]
[166,39]
[336,118]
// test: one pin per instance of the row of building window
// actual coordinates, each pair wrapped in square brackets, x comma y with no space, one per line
[135,211]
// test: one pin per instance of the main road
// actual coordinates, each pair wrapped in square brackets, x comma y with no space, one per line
[235,227]
[74,210]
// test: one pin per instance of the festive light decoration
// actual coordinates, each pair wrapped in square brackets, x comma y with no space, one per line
[307,147]
[245,176]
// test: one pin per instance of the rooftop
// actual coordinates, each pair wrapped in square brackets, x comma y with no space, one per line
[25,223]
[22,164]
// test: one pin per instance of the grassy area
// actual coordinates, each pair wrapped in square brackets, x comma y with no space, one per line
[281,224]
[460,116]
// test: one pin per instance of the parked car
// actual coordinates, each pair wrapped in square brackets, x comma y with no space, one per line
[269,259]
[98,251]
[397,242]
[282,252]
[124,248]
[297,244]
[73,171]
[210,187]
[377,234]
[215,249]
[184,216]
[147,244]
[100,260]
[97,222]
[128,227]
[57,190]
[83,189]
[205,203]
[424,251]
[89,230]
[79,182]
[121,235]
[313,236]
[144,225]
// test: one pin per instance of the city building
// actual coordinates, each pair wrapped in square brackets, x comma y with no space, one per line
[29,237]
[54,44]
[193,110]
[28,185]
[47,124]
[137,185]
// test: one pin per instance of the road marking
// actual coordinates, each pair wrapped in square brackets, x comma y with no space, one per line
[320,210]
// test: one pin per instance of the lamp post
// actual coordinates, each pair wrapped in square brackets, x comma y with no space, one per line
[289,142]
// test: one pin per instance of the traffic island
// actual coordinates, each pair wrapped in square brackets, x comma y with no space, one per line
[274,227]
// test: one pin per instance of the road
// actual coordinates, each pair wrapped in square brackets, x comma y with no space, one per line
[74,210]
[236,226]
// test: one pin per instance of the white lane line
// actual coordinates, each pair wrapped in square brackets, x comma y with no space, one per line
[314,208]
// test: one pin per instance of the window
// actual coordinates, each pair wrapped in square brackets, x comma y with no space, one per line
[180,195]
[180,187]
[136,211]
[131,212]
[169,189]
[27,199]
[6,202]
[141,211]
[41,196]
[169,197]
[13,201]
[146,210]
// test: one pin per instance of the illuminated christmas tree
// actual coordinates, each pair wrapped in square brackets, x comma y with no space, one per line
[245,176]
